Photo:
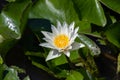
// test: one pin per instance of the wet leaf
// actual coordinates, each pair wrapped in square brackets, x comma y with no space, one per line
[13,18]
[1,60]
[59,61]
[10,19]
[112,34]
[74,75]
[63,73]
[95,50]
[91,11]
[54,10]
[19,70]
[74,55]
[1,38]
[11,75]
[112,4]
[11,0]
[118,63]
[2,69]
[87,75]
[27,78]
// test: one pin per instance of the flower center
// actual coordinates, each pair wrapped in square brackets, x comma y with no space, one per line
[61,41]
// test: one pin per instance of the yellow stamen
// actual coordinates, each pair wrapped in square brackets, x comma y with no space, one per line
[61,41]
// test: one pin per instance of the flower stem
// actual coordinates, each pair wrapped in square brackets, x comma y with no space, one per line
[72,66]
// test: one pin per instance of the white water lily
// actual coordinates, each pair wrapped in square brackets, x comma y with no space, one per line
[61,40]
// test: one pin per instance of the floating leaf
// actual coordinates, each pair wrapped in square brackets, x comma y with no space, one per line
[2,69]
[95,50]
[27,78]
[74,75]
[13,18]
[1,39]
[118,64]
[1,60]
[62,73]
[112,34]
[59,61]
[91,11]
[11,75]
[10,19]
[54,10]
[19,70]
[112,4]
[11,0]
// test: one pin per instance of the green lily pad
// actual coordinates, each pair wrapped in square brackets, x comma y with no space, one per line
[54,10]
[11,75]
[74,75]
[112,34]
[13,18]
[91,11]
[91,45]
[112,4]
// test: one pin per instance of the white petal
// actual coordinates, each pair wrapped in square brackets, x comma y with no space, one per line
[65,24]
[65,28]
[67,53]
[71,27]
[53,54]
[47,45]
[73,38]
[77,45]
[59,26]
[70,47]
[76,30]
[47,34]
[49,41]
[54,30]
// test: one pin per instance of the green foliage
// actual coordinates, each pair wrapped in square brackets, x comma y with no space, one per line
[114,5]
[57,10]
[95,50]
[12,74]
[11,0]
[74,75]
[12,23]
[2,68]
[118,65]
[7,73]
[27,78]
[98,22]
[112,34]
[91,11]
[1,60]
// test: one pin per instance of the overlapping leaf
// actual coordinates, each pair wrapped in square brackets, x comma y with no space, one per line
[91,11]
[54,10]
[112,34]
[12,74]
[112,4]
[12,22]
[95,50]
[74,75]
